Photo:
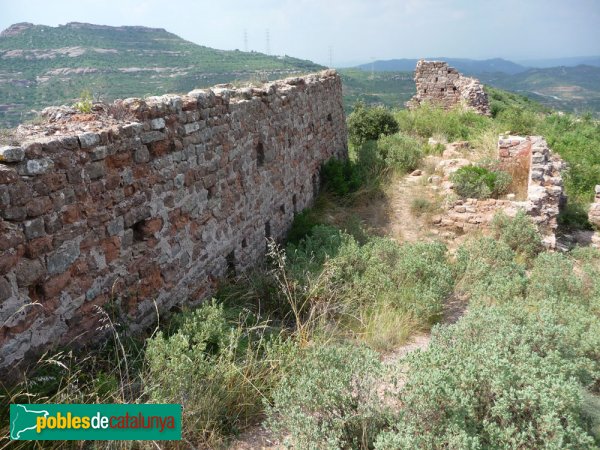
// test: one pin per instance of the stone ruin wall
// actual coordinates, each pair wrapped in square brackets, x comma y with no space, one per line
[156,210]
[444,86]
[594,212]
[545,192]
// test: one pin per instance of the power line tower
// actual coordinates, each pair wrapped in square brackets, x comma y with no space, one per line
[331,56]
[268,39]
[245,40]
[372,68]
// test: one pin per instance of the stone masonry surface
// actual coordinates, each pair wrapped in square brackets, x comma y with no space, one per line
[444,86]
[545,193]
[594,213]
[152,211]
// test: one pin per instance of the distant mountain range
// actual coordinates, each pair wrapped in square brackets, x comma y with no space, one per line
[42,65]
[477,67]
[572,86]
[566,62]
[466,66]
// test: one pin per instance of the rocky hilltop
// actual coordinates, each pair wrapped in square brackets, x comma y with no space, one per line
[42,66]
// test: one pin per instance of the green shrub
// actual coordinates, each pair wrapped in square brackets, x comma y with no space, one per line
[302,225]
[479,182]
[519,233]
[518,120]
[85,103]
[552,277]
[328,400]
[411,279]
[487,272]
[219,372]
[400,152]
[341,176]
[314,249]
[367,124]
[499,378]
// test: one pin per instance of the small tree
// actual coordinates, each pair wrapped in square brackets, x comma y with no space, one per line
[367,124]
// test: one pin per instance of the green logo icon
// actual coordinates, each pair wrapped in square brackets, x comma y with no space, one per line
[95,422]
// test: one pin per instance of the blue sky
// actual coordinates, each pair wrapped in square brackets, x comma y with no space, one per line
[355,30]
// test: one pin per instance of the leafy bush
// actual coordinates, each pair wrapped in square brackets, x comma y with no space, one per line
[519,233]
[552,277]
[367,124]
[518,120]
[499,378]
[302,225]
[400,152]
[217,371]
[328,400]
[479,182]
[487,272]
[85,103]
[341,176]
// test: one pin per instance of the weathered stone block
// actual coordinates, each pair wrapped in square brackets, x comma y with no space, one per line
[157,124]
[29,272]
[34,167]
[34,228]
[142,155]
[152,136]
[61,259]
[11,154]
[88,140]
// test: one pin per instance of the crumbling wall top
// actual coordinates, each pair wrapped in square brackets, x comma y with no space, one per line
[444,86]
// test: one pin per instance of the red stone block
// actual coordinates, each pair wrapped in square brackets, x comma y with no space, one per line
[118,160]
[112,248]
[53,286]
[70,214]
[159,148]
[39,246]
[151,226]
[8,260]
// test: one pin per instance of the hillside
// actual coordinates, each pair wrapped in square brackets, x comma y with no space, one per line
[572,89]
[42,65]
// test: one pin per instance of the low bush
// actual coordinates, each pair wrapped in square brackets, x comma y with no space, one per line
[328,400]
[85,103]
[341,176]
[400,152]
[487,272]
[499,378]
[519,120]
[368,124]
[218,371]
[479,182]
[519,233]
[552,277]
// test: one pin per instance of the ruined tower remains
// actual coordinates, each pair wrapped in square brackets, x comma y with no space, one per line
[442,85]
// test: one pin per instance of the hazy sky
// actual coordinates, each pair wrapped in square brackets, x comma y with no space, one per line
[356,30]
